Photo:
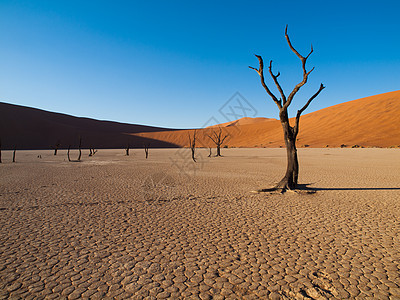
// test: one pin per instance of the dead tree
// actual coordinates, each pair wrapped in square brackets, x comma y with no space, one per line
[79,147]
[146,149]
[192,144]
[92,151]
[127,150]
[80,151]
[218,140]
[209,154]
[69,148]
[55,147]
[0,152]
[15,150]
[290,180]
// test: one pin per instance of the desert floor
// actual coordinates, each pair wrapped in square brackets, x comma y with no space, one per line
[116,226]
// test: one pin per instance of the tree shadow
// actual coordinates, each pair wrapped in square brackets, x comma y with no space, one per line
[307,187]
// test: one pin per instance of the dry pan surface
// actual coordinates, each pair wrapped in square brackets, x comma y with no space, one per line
[116,226]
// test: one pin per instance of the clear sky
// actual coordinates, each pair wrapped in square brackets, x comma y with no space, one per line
[176,63]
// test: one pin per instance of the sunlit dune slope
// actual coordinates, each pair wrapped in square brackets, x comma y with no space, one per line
[243,121]
[368,122]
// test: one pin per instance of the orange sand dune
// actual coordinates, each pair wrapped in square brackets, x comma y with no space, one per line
[243,121]
[369,122]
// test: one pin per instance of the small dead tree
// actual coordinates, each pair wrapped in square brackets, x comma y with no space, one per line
[79,147]
[192,144]
[218,138]
[80,151]
[146,149]
[55,147]
[69,148]
[127,150]
[290,180]
[15,150]
[92,151]
[0,152]
[210,153]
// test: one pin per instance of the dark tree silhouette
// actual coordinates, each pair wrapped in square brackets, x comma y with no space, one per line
[218,138]
[127,150]
[0,152]
[56,146]
[92,151]
[146,149]
[192,144]
[79,147]
[15,150]
[69,148]
[209,154]
[80,151]
[290,180]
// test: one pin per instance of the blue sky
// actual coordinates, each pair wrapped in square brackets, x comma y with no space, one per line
[176,63]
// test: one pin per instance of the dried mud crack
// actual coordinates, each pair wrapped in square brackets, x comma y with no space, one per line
[70,234]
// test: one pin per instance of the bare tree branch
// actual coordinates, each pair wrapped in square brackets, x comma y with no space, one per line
[299,112]
[275,78]
[305,73]
[260,72]
[223,139]
[215,142]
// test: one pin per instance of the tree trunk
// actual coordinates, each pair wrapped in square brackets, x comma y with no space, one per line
[127,150]
[289,181]
[80,151]
[218,150]
[69,158]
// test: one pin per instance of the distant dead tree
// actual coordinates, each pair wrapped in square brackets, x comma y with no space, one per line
[15,150]
[79,148]
[127,150]
[192,144]
[290,180]
[218,138]
[209,154]
[146,149]
[55,147]
[69,148]
[0,152]
[92,151]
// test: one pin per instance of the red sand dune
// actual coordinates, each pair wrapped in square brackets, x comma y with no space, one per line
[369,122]
[243,121]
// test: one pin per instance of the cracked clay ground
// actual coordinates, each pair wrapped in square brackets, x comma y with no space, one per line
[123,227]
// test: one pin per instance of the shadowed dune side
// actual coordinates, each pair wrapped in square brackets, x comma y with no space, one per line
[31,128]
[369,122]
